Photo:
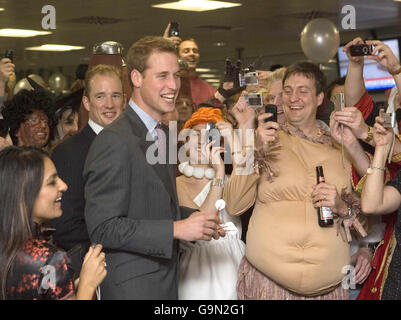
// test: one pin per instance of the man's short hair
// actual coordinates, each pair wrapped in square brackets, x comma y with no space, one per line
[100,69]
[140,51]
[310,71]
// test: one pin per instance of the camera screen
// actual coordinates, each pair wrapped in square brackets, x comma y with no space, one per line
[251,78]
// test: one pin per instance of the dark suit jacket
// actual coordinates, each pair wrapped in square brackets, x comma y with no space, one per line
[130,209]
[69,158]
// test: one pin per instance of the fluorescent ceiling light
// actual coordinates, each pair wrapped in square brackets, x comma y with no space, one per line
[1,9]
[212,80]
[196,5]
[21,33]
[208,75]
[205,70]
[54,47]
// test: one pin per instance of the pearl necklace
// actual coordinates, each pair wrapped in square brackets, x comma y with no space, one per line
[186,169]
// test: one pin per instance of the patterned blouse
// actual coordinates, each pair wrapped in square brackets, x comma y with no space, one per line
[40,271]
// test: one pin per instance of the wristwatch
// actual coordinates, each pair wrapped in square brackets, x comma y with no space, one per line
[218,182]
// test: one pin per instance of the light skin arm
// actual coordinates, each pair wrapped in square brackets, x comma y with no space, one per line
[354,83]
[384,56]
[176,40]
[362,260]
[6,69]
[359,159]
[376,197]
[92,273]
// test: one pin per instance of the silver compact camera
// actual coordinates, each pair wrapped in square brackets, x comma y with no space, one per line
[339,101]
[254,100]
[389,119]
[248,79]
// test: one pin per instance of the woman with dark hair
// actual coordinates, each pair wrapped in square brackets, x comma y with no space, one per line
[30,266]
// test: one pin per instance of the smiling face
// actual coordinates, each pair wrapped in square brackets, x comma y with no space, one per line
[106,100]
[34,131]
[189,52]
[47,205]
[156,89]
[300,101]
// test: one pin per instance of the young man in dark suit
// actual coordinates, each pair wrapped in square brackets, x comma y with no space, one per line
[104,101]
[131,205]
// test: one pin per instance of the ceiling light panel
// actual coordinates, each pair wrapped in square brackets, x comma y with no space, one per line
[21,33]
[196,5]
[54,47]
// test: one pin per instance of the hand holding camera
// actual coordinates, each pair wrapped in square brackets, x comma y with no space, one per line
[231,82]
[172,33]
[244,115]
[382,130]
[266,132]
[6,66]
[355,44]
[383,55]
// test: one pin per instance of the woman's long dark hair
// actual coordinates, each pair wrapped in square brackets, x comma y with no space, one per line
[21,176]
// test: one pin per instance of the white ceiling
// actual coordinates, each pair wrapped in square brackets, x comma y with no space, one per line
[266,29]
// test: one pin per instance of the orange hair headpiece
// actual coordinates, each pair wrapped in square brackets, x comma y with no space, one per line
[203,115]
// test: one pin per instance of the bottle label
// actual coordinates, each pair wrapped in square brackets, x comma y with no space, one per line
[325,213]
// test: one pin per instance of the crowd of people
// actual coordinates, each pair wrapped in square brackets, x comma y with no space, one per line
[94,204]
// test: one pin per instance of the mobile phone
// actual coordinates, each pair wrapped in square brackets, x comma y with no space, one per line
[173,32]
[357,50]
[9,54]
[213,134]
[248,79]
[389,119]
[339,101]
[271,108]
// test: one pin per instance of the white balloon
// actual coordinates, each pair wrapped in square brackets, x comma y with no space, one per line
[57,82]
[320,40]
[22,84]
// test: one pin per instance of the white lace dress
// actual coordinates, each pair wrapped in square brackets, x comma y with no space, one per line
[208,269]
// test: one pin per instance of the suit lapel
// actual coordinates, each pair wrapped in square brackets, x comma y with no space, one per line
[163,171]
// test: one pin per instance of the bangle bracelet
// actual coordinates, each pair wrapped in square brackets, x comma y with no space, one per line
[370,169]
[396,72]
[370,134]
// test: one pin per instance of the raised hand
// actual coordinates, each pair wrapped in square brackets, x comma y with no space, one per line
[346,49]
[244,115]
[383,55]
